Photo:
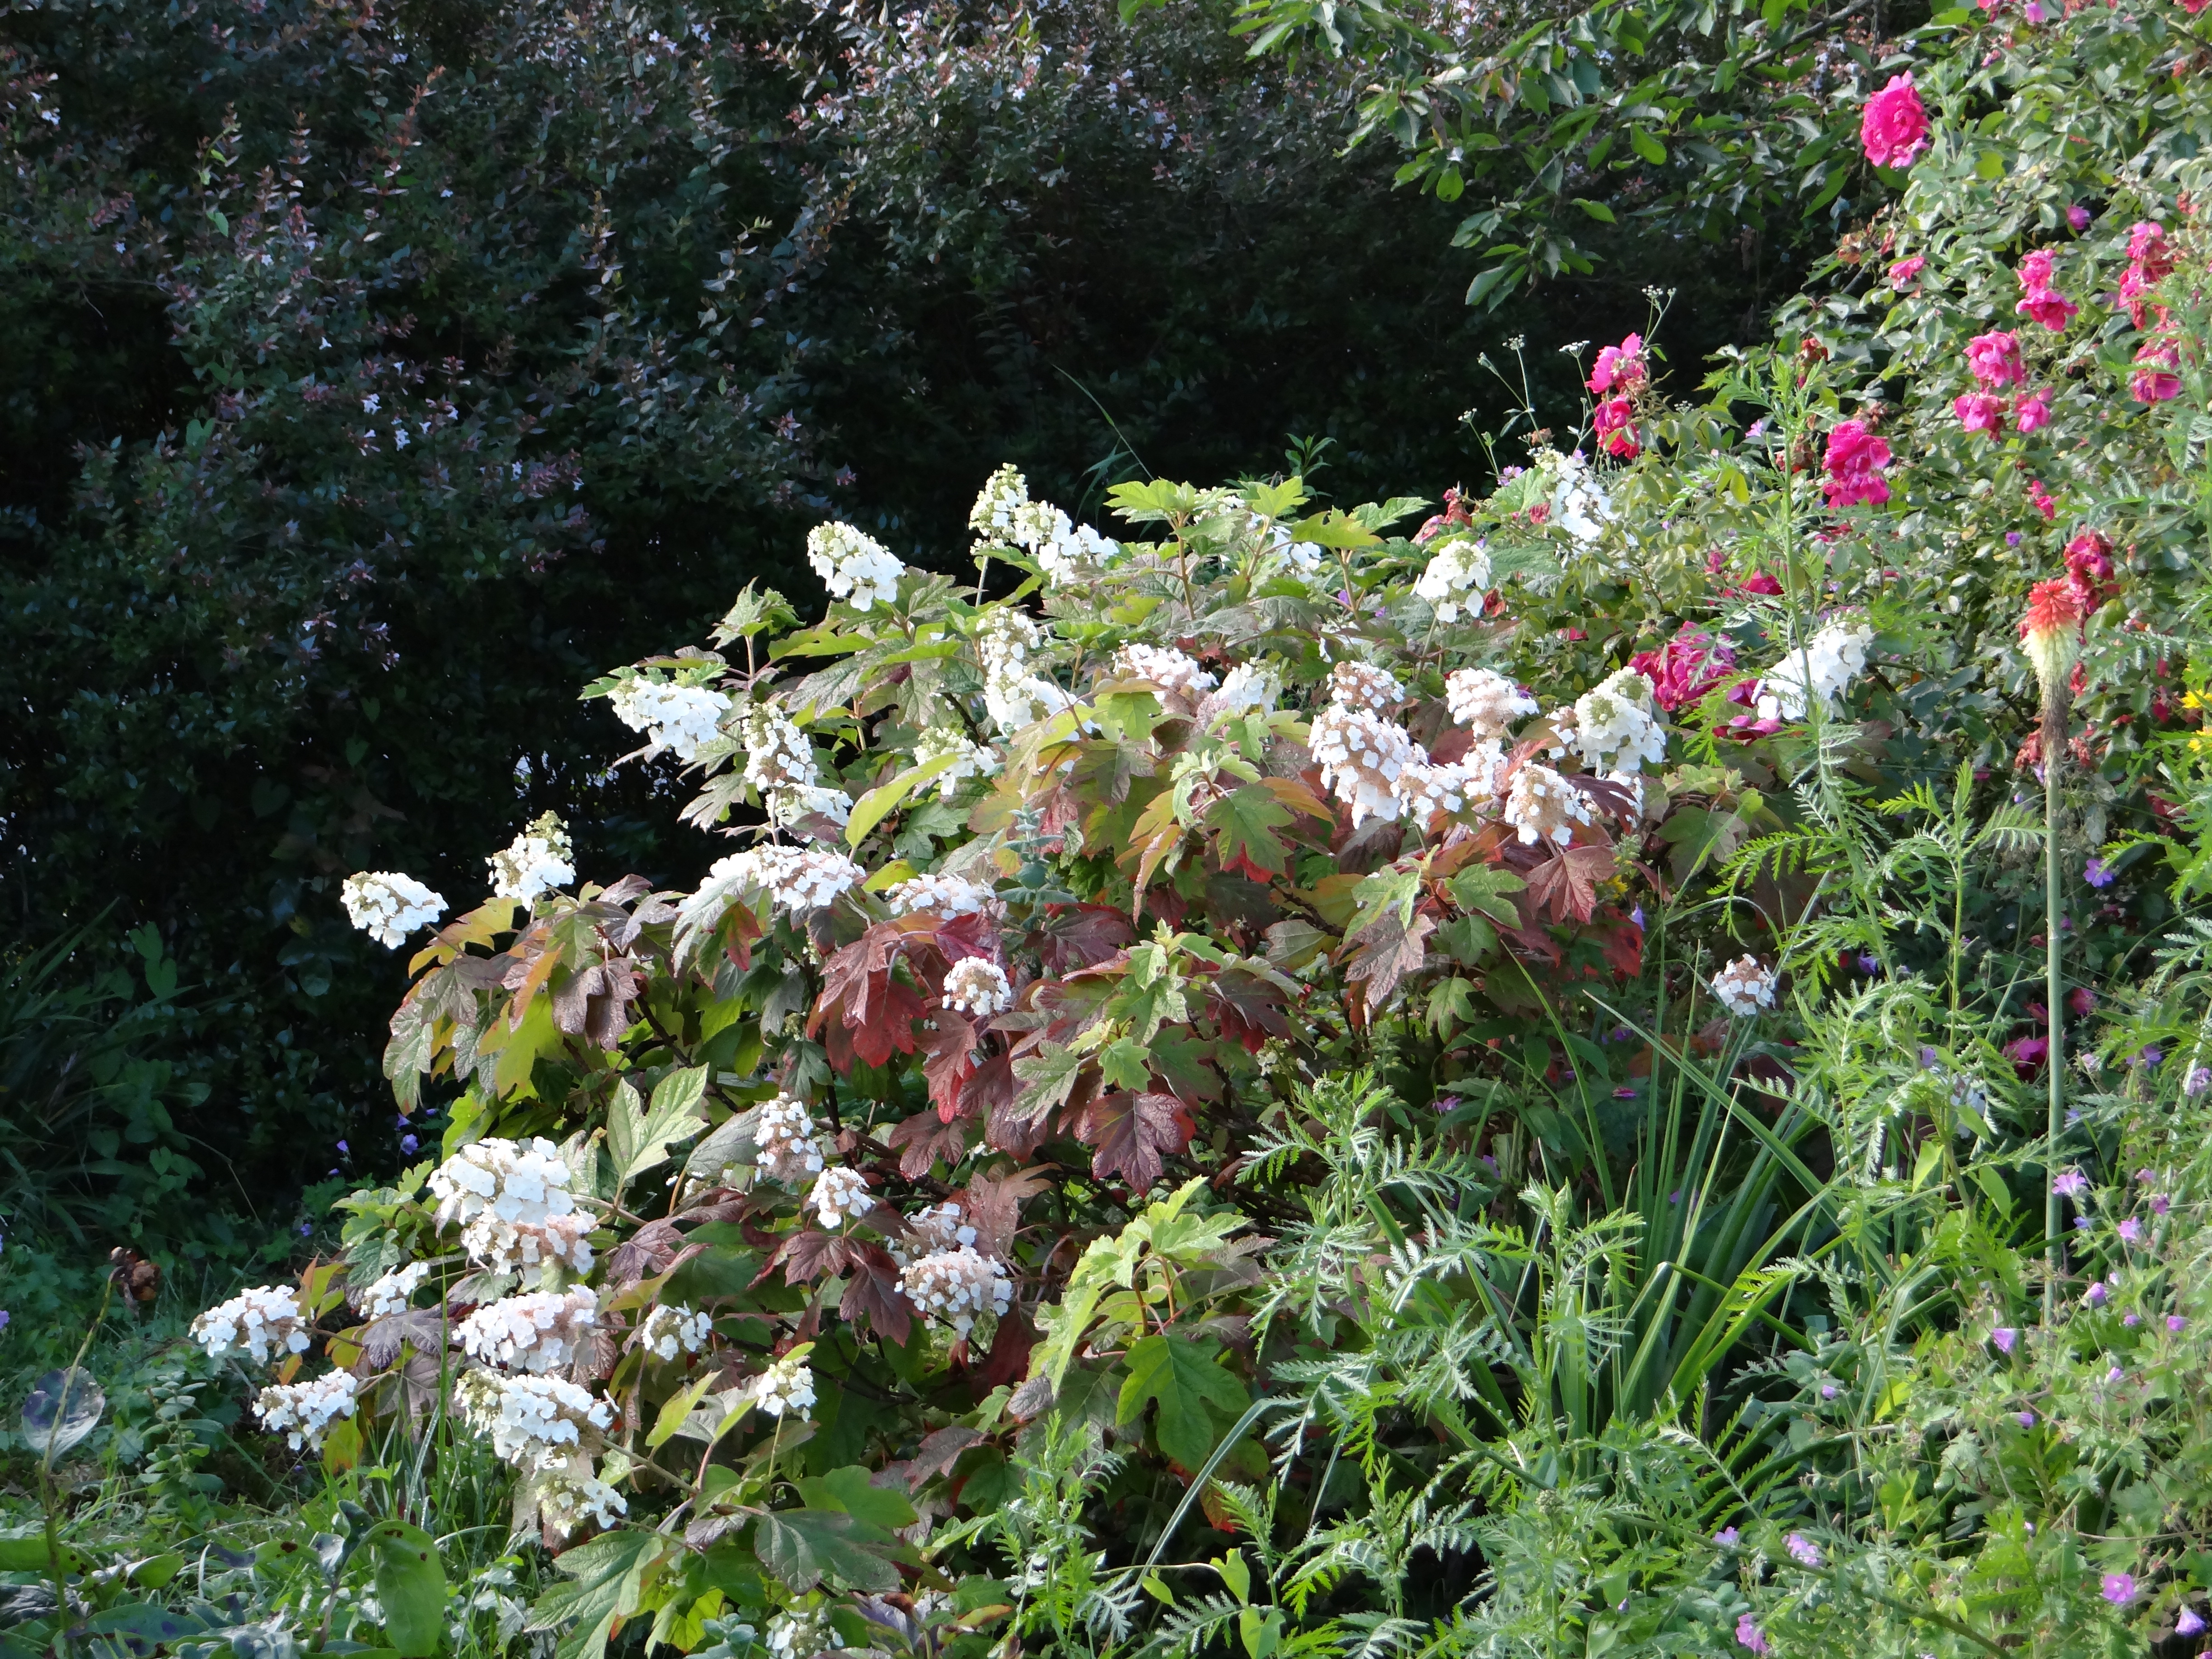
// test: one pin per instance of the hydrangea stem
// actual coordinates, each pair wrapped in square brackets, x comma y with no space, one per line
[2054,909]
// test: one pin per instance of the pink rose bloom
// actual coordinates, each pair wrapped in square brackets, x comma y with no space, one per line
[1855,460]
[2041,498]
[1905,273]
[1993,359]
[1684,669]
[1894,128]
[1760,583]
[2032,412]
[2049,307]
[2035,269]
[1616,432]
[2077,215]
[1979,412]
[2150,262]
[2156,383]
[1621,366]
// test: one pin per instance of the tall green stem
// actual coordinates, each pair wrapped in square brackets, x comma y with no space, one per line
[2054,914]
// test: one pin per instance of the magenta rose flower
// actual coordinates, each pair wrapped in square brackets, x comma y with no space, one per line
[1684,669]
[2154,382]
[1855,461]
[1979,412]
[1616,430]
[2032,412]
[1993,359]
[1894,128]
[1905,273]
[1620,366]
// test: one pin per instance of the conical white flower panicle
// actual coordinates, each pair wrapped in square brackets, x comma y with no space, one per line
[1486,702]
[853,565]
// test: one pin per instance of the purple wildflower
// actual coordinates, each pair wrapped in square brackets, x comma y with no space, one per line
[2028,1419]
[1828,1391]
[407,1144]
[2004,1336]
[2189,1624]
[2176,1323]
[2132,1320]
[2119,1588]
[2078,217]
[2095,874]
[2096,1296]
[2160,1204]
[1728,1538]
[1803,1549]
[2069,1183]
[1749,1635]
[2199,1081]
[2131,1231]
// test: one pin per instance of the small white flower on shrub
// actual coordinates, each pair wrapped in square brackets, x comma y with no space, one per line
[514,1205]
[1457,575]
[537,1332]
[388,906]
[669,1330]
[784,1132]
[976,986]
[574,1496]
[535,862]
[940,895]
[1486,702]
[1541,806]
[957,1287]
[784,1390]
[853,565]
[303,1412]
[938,1228]
[841,1194]
[1745,987]
[1615,729]
[795,881]
[1363,685]
[528,1418]
[263,1321]
[381,1298]
[679,719]
[1168,671]
[1361,756]
[970,759]
[1825,666]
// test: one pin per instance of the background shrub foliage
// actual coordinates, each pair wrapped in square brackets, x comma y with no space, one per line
[1215,1097]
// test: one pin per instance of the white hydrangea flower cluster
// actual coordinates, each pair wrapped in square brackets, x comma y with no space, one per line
[1578,502]
[537,861]
[977,985]
[1746,986]
[388,905]
[1247,685]
[1362,758]
[1486,702]
[537,1332]
[1165,669]
[940,894]
[514,1205]
[528,1418]
[393,1293]
[957,1287]
[1004,493]
[1012,697]
[1541,806]
[1469,783]
[679,719]
[573,1496]
[303,1412]
[854,565]
[1615,730]
[784,1133]
[1363,685]
[1458,575]
[1824,667]
[258,1323]
[777,753]
[841,1194]
[801,1633]
[970,759]
[936,1230]
[669,1330]
[785,1388]
[1065,551]
[796,880]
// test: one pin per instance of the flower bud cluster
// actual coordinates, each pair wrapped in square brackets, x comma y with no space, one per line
[1168,671]
[1457,575]
[841,1195]
[514,1205]
[258,1323]
[957,1287]
[784,1132]
[1745,987]
[940,895]
[537,861]
[668,1330]
[977,985]
[537,1332]
[393,1293]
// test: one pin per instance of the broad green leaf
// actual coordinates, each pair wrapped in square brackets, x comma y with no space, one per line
[678,1408]
[802,1547]
[1244,823]
[873,808]
[640,1137]
[848,1490]
[608,1572]
[1183,1377]
[410,1584]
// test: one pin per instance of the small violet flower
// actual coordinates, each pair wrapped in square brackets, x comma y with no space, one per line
[1803,1550]
[2097,1296]
[1728,1538]
[2005,1336]
[2190,1624]
[2069,1183]
[2097,875]
[2119,1588]
[2176,1323]
[2028,1419]
[2131,1231]
[1749,1635]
